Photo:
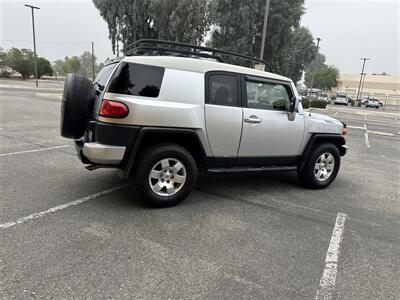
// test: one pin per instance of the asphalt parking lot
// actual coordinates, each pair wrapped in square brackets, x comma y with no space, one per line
[66,232]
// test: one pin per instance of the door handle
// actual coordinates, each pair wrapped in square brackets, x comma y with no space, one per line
[252,119]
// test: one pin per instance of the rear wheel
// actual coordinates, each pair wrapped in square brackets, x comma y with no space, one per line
[321,168]
[165,175]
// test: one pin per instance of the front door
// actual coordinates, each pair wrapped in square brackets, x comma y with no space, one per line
[267,131]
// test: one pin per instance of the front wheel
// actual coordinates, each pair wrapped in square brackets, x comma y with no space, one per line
[165,175]
[321,168]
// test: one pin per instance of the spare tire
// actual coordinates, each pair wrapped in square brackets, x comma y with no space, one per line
[76,106]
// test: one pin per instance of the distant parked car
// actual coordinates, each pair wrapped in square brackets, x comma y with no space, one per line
[341,99]
[372,102]
[363,100]
[324,97]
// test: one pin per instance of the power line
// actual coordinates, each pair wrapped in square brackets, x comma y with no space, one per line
[44,42]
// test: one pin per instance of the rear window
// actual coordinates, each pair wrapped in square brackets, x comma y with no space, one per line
[137,80]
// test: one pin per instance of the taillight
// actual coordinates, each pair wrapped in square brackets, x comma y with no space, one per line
[113,109]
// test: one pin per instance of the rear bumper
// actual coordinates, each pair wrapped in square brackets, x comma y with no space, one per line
[103,154]
[106,144]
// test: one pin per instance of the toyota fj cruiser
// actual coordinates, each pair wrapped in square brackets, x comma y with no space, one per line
[167,110]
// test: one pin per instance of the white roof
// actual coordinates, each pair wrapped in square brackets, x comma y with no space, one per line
[198,65]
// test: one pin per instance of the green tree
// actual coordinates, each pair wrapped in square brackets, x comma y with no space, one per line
[317,64]
[85,61]
[238,26]
[43,67]
[21,61]
[4,72]
[98,68]
[71,65]
[177,20]
[327,78]
[3,57]
[180,20]
[128,20]
[58,66]
[298,54]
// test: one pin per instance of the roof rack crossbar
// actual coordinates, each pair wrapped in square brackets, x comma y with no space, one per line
[191,50]
[170,51]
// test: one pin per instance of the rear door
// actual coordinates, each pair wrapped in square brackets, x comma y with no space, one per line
[267,130]
[223,113]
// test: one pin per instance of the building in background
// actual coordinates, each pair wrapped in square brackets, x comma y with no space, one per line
[380,86]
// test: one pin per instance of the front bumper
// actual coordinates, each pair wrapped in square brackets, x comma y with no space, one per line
[343,150]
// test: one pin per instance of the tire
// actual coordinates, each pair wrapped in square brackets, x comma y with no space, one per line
[76,106]
[307,175]
[152,160]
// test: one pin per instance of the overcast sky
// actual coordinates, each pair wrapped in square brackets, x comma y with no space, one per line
[349,30]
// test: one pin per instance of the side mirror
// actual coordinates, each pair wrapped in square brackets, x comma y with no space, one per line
[294,103]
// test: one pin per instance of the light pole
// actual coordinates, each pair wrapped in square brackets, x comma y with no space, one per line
[362,84]
[315,58]
[93,61]
[264,33]
[34,40]
[361,77]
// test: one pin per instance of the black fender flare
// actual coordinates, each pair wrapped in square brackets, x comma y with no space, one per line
[316,138]
[131,155]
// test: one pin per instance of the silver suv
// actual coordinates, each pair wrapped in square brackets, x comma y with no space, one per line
[168,110]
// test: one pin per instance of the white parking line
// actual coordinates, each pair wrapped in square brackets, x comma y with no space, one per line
[328,280]
[380,133]
[60,207]
[365,117]
[371,131]
[366,137]
[356,127]
[34,150]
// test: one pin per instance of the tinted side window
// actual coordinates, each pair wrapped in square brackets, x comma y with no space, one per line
[222,90]
[271,96]
[137,80]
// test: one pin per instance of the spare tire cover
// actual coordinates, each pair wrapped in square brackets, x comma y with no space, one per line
[76,106]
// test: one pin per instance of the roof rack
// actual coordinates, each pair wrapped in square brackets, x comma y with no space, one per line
[161,47]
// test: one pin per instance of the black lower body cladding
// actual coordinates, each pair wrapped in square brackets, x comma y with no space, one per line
[76,106]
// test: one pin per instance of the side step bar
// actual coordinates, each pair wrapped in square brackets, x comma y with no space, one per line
[242,169]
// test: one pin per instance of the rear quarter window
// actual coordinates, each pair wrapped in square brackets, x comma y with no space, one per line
[137,80]
[104,74]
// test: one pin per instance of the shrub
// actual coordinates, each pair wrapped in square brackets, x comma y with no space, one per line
[318,103]
[306,103]
[5,74]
